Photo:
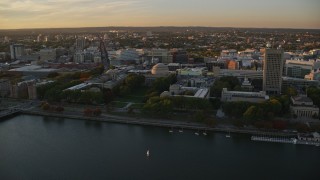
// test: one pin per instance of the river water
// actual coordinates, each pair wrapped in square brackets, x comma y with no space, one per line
[35,147]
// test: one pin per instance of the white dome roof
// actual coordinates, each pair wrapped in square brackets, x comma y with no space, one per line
[160,69]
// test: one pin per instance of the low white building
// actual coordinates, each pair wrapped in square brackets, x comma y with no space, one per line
[231,53]
[160,69]
[128,55]
[302,107]
[255,97]
[178,90]
[251,74]
[163,55]
[194,72]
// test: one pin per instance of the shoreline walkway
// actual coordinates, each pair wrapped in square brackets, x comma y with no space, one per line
[158,123]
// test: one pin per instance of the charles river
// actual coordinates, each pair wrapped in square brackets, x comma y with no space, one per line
[35,147]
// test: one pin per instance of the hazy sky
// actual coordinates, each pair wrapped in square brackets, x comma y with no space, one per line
[217,13]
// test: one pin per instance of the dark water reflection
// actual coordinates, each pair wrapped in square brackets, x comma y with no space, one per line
[33,147]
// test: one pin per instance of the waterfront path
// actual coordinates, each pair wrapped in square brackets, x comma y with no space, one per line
[157,122]
[8,111]
[75,111]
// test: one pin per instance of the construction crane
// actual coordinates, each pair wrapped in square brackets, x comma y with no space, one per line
[104,55]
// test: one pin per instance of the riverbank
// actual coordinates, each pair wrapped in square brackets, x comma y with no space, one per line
[75,111]
[160,123]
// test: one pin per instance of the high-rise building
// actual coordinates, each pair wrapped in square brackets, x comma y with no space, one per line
[160,55]
[16,51]
[48,54]
[78,57]
[298,68]
[272,70]
[80,43]
[39,38]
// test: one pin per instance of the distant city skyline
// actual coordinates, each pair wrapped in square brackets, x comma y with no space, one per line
[19,14]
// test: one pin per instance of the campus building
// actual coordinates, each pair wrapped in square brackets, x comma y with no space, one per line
[297,83]
[303,109]
[48,54]
[232,96]
[16,51]
[298,69]
[5,87]
[159,56]
[158,70]
[241,74]
[272,71]
[178,90]
[24,90]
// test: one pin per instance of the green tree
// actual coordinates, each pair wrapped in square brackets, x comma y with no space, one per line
[158,105]
[108,95]
[59,109]
[215,102]
[229,82]
[200,116]
[290,91]
[251,113]
[53,75]
[163,83]
[87,112]
[134,81]
[46,106]
[97,71]
[313,93]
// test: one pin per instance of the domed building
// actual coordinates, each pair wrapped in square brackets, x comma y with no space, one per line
[160,69]
[157,71]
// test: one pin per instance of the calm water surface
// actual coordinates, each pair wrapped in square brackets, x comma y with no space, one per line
[35,147]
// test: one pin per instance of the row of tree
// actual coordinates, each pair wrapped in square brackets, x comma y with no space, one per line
[83,97]
[252,112]
[159,85]
[197,109]
[166,105]
[229,82]
[47,107]
[56,91]
[130,84]
[92,112]
[314,94]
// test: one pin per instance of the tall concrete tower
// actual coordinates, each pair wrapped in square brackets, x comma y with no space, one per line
[272,70]
[16,51]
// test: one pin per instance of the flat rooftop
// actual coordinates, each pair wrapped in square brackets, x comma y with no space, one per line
[32,68]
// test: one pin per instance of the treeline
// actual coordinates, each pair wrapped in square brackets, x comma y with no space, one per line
[314,94]
[161,84]
[56,91]
[130,84]
[92,112]
[251,112]
[229,82]
[82,97]
[53,91]
[48,107]
[166,105]
[134,82]
[198,109]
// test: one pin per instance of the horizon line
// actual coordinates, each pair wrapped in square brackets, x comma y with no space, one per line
[190,26]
